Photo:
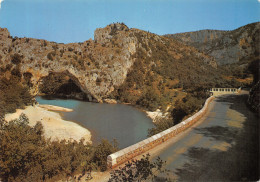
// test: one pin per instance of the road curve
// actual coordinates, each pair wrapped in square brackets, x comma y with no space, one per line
[221,146]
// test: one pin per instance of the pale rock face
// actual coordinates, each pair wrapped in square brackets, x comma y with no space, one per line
[4,33]
[96,67]
[85,63]
[225,46]
[104,35]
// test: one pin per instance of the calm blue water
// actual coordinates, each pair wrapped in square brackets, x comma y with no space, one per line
[124,123]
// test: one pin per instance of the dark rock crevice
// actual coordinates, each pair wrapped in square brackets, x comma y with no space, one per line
[62,85]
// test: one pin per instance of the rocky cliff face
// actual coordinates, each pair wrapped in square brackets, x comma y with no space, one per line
[95,67]
[225,46]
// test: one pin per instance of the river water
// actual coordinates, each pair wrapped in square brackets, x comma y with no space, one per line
[124,123]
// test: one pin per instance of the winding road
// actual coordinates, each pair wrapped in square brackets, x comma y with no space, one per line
[221,146]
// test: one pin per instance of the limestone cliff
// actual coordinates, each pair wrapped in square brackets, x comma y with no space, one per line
[96,66]
[225,46]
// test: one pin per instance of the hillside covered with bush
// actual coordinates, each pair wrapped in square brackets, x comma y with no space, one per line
[128,65]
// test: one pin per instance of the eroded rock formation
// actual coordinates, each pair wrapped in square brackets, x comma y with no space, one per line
[225,46]
[96,66]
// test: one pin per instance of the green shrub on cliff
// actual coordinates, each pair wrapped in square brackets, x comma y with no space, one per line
[16,58]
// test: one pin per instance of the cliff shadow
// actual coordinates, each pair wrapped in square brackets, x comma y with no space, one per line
[62,85]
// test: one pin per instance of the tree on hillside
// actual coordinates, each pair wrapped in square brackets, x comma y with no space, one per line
[150,99]
[13,95]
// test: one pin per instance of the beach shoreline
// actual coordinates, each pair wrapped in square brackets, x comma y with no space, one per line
[54,108]
[54,126]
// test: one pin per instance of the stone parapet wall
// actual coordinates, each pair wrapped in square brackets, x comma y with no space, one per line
[132,151]
[223,91]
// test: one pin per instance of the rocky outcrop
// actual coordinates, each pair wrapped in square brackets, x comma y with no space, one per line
[225,46]
[105,35]
[4,33]
[96,67]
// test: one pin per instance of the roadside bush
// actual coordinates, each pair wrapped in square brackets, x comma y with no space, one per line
[101,152]
[185,107]
[140,170]
[160,125]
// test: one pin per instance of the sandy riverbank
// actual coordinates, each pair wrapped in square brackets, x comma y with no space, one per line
[156,115]
[53,125]
[55,108]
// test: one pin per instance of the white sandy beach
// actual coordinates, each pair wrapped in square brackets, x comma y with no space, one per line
[53,125]
[55,108]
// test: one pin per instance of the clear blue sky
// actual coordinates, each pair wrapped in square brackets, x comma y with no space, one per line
[75,20]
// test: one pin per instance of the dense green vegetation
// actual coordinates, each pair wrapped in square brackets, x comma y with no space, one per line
[183,108]
[173,78]
[241,72]
[25,155]
[139,170]
[13,94]
[170,72]
[166,75]
[244,70]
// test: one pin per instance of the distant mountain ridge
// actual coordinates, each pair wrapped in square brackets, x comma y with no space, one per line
[225,46]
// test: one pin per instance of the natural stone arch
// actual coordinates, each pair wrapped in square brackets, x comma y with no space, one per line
[63,84]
